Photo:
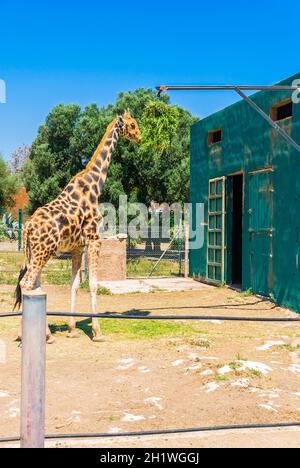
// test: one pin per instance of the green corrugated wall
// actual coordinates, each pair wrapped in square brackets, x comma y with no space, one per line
[250,144]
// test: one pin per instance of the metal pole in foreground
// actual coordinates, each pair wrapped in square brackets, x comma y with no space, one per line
[186,250]
[20,225]
[33,370]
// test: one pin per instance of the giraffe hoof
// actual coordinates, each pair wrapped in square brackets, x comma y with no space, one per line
[50,339]
[73,334]
[99,339]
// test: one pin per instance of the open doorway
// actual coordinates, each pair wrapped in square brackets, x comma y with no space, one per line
[237,184]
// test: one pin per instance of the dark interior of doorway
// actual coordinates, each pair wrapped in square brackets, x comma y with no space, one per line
[237,228]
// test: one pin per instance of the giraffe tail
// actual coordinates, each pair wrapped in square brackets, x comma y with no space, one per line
[18,291]
[24,269]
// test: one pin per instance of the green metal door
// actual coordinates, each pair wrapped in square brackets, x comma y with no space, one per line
[261,230]
[216,231]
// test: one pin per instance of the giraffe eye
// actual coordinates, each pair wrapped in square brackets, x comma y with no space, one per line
[132,126]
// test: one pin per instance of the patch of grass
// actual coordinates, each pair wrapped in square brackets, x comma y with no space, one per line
[103,292]
[222,378]
[84,284]
[11,261]
[143,266]
[10,279]
[255,373]
[201,342]
[112,418]
[148,329]
[57,272]
[100,291]
[247,293]
[234,365]
[8,324]
[290,348]
[57,277]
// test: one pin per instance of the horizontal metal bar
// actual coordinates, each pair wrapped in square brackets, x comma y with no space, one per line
[228,88]
[174,317]
[10,315]
[239,90]
[166,317]
[160,432]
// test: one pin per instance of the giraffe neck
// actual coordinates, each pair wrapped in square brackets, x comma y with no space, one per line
[98,166]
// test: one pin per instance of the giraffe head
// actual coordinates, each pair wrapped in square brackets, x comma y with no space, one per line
[131,129]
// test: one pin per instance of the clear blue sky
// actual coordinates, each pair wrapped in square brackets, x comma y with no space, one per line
[70,51]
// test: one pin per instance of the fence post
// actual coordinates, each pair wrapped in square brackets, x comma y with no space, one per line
[186,249]
[20,225]
[33,370]
[180,248]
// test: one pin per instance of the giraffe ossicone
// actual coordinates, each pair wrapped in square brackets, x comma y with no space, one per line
[71,222]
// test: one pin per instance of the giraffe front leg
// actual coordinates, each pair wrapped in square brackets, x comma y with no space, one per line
[76,267]
[93,258]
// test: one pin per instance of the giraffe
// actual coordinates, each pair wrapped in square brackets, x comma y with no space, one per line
[71,222]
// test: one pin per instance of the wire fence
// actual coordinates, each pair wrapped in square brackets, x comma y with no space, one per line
[146,256]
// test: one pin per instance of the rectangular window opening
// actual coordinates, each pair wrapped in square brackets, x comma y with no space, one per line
[215,137]
[281,111]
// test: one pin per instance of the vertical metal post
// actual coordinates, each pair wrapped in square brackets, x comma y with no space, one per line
[223,228]
[20,223]
[86,264]
[33,370]
[180,248]
[186,250]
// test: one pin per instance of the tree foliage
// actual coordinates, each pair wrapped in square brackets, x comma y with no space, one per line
[156,170]
[9,184]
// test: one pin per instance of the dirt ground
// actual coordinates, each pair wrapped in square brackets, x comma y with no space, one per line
[157,375]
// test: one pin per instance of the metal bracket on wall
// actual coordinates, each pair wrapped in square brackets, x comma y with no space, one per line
[239,90]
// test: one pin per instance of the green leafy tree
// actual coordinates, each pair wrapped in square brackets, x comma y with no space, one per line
[9,184]
[52,161]
[160,122]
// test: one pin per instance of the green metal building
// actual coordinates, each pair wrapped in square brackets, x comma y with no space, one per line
[248,178]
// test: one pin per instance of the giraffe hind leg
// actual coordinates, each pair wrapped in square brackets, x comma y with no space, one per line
[76,267]
[93,258]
